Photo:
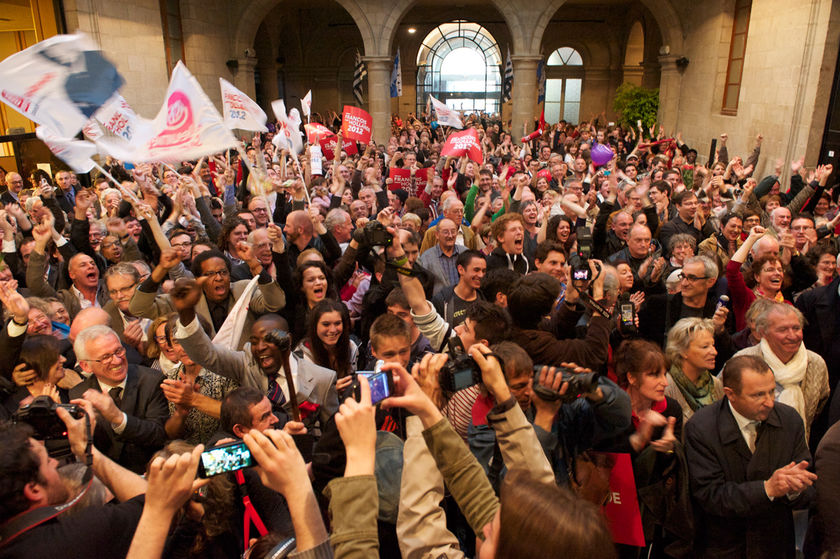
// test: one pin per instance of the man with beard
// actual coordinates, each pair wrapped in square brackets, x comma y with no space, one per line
[259,364]
[218,293]
[303,231]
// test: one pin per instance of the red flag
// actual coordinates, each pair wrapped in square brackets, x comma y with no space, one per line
[316,132]
[622,508]
[463,143]
[356,124]
[400,178]
[543,126]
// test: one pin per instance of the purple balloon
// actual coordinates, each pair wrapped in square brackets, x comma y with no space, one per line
[600,154]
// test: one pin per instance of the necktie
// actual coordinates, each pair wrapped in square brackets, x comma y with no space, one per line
[115,395]
[759,429]
[275,394]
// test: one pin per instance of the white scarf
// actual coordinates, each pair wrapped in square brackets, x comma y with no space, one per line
[789,376]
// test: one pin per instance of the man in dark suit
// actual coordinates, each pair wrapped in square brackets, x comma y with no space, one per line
[824,530]
[747,461]
[132,410]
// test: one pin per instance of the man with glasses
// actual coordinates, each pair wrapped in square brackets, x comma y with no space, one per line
[14,183]
[694,299]
[121,281]
[132,410]
[218,293]
[259,209]
[441,259]
[453,209]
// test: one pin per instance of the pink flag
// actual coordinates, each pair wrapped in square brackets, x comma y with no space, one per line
[463,143]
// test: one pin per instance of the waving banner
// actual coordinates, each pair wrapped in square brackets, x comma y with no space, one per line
[118,118]
[240,111]
[445,115]
[400,178]
[328,147]
[59,82]
[463,143]
[316,132]
[356,124]
[76,153]
[288,134]
[188,126]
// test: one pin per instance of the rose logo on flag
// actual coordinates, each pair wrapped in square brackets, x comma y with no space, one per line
[179,123]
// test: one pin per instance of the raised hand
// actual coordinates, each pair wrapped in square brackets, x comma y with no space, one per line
[14,303]
[356,422]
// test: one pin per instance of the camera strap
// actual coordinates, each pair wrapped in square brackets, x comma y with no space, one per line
[250,512]
[25,521]
[594,304]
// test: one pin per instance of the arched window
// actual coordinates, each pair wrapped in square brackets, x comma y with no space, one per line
[563,84]
[459,64]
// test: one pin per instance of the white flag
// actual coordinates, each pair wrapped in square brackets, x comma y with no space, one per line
[288,134]
[445,115]
[240,111]
[188,126]
[59,82]
[231,330]
[76,153]
[306,104]
[118,118]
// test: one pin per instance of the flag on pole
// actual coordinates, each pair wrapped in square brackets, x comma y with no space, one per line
[396,77]
[359,74]
[507,84]
[288,128]
[59,82]
[76,153]
[118,118]
[541,81]
[306,104]
[445,115]
[188,126]
[240,111]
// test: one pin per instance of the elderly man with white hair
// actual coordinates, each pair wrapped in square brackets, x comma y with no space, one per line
[453,209]
[801,375]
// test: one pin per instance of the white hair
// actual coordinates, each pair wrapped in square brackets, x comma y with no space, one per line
[88,335]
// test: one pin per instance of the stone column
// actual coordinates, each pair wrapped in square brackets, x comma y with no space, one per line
[524,93]
[633,74]
[243,79]
[670,84]
[379,95]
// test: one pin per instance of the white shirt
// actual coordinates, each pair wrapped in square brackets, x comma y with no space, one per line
[82,300]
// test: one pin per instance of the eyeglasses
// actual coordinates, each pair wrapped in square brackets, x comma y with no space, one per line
[689,277]
[110,357]
[128,290]
[223,273]
[185,244]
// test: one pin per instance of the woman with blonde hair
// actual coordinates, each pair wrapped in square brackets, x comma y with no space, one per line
[691,353]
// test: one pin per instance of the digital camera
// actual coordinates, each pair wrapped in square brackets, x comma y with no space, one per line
[460,371]
[579,384]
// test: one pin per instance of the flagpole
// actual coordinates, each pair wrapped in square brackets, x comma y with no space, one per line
[119,186]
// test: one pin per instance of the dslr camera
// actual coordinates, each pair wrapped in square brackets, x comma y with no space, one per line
[40,414]
[375,234]
[580,259]
[460,371]
[579,384]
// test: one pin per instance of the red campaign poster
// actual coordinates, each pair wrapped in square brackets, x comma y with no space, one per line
[622,508]
[463,143]
[356,124]
[328,147]
[421,179]
[400,178]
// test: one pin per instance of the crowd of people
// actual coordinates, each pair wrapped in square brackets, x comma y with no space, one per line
[534,312]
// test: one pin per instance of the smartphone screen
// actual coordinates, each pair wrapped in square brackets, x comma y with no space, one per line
[225,458]
[380,385]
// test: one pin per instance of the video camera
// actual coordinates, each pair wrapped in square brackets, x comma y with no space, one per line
[41,415]
[579,384]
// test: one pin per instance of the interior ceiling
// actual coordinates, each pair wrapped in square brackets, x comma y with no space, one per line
[15,15]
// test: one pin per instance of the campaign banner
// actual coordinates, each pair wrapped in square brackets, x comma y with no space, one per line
[400,178]
[463,143]
[315,132]
[445,115]
[328,147]
[76,153]
[59,82]
[118,118]
[622,508]
[240,111]
[421,180]
[356,124]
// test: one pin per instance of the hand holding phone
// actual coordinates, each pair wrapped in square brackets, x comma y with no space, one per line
[225,458]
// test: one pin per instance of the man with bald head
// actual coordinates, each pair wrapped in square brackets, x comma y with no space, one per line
[14,183]
[259,364]
[95,316]
[441,259]
[302,232]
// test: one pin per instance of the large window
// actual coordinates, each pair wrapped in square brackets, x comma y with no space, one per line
[737,48]
[459,64]
[563,85]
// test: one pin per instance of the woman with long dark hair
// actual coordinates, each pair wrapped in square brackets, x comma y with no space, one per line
[327,342]
[42,355]
[312,282]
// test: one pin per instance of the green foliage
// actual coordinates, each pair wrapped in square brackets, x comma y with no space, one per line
[636,103]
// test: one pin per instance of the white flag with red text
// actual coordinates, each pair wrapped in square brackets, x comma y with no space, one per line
[445,115]
[306,104]
[240,111]
[288,134]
